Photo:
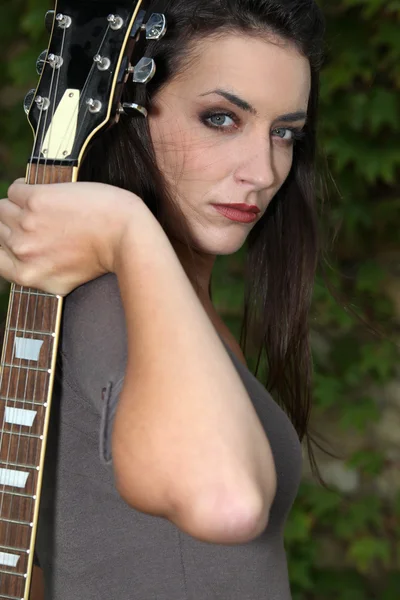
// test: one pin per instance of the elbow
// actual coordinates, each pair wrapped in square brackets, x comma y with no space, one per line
[220,518]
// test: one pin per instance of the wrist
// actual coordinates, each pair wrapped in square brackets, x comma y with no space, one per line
[137,234]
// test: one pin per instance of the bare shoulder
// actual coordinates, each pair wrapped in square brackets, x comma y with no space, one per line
[227,336]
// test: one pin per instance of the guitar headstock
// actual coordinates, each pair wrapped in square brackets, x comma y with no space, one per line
[95,46]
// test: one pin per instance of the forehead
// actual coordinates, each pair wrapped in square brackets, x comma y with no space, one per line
[271,75]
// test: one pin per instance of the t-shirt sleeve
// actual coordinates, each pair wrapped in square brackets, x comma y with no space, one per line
[93,350]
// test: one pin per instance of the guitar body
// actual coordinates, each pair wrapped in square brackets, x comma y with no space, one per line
[94,47]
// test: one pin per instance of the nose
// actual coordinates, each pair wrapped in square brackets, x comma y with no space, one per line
[256,167]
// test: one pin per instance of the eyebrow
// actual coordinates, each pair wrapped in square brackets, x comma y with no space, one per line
[234,99]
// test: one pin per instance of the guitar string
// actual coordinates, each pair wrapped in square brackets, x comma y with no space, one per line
[53,107]
[13,290]
[11,481]
[35,306]
[45,167]
[28,298]
[46,302]
[29,293]
[37,443]
[23,328]
[78,108]
[27,403]
[6,396]
[36,179]
[23,331]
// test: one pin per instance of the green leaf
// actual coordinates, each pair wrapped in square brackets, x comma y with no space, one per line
[360,413]
[370,461]
[366,550]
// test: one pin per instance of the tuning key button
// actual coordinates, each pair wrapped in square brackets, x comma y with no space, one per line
[49,20]
[103,63]
[156,27]
[41,61]
[63,21]
[28,100]
[144,70]
[42,103]
[115,22]
[94,106]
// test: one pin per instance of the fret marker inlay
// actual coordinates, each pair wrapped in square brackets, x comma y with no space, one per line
[8,560]
[28,349]
[13,478]
[19,416]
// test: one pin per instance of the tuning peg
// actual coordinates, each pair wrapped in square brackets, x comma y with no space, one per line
[144,70]
[131,109]
[28,100]
[41,61]
[156,27]
[49,20]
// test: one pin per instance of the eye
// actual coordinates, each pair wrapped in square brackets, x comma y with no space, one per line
[219,120]
[289,134]
[285,134]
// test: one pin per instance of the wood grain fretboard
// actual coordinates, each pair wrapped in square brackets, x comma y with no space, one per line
[27,375]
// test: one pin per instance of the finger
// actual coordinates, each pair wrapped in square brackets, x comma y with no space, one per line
[7,265]
[5,232]
[9,213]
[19,192]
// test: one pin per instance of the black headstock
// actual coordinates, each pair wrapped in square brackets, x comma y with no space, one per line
[95,45]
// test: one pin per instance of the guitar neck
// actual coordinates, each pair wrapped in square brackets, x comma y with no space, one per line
[27,377]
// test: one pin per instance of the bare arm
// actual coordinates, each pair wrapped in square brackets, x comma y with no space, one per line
[187,443]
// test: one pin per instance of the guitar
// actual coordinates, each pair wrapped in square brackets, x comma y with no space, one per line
[95,47]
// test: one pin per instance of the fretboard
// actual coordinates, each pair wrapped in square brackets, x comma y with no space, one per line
[27,375]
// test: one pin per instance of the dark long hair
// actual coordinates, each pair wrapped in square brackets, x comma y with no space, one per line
[283,248]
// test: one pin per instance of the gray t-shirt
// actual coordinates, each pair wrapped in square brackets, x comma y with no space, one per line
[90,543]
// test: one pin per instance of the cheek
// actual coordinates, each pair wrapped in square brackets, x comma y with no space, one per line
[283,164]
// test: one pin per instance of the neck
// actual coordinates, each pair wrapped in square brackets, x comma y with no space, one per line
[198,267]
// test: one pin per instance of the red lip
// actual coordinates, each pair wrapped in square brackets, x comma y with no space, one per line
[243,207]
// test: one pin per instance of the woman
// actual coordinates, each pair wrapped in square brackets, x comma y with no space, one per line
[171,470]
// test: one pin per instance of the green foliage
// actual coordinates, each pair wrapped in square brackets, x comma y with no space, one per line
[344,547]
[339,547]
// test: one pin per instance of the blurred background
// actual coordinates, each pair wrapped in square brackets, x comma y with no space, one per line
[344,542]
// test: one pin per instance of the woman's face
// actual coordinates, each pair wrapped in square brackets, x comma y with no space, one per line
[224,131]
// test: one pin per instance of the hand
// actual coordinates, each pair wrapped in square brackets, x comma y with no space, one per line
[59,236]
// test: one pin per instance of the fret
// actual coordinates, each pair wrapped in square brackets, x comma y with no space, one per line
[28,435]
[18,494]
[11,597]
[20,448]
[15,522]
[7,399]
[33,312]
[17,508]
[31,332]
[16,574]
[28,292]
[13,464]
[25,383]
[14,550]
[24,367]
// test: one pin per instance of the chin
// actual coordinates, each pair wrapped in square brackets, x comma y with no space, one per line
[219,247]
